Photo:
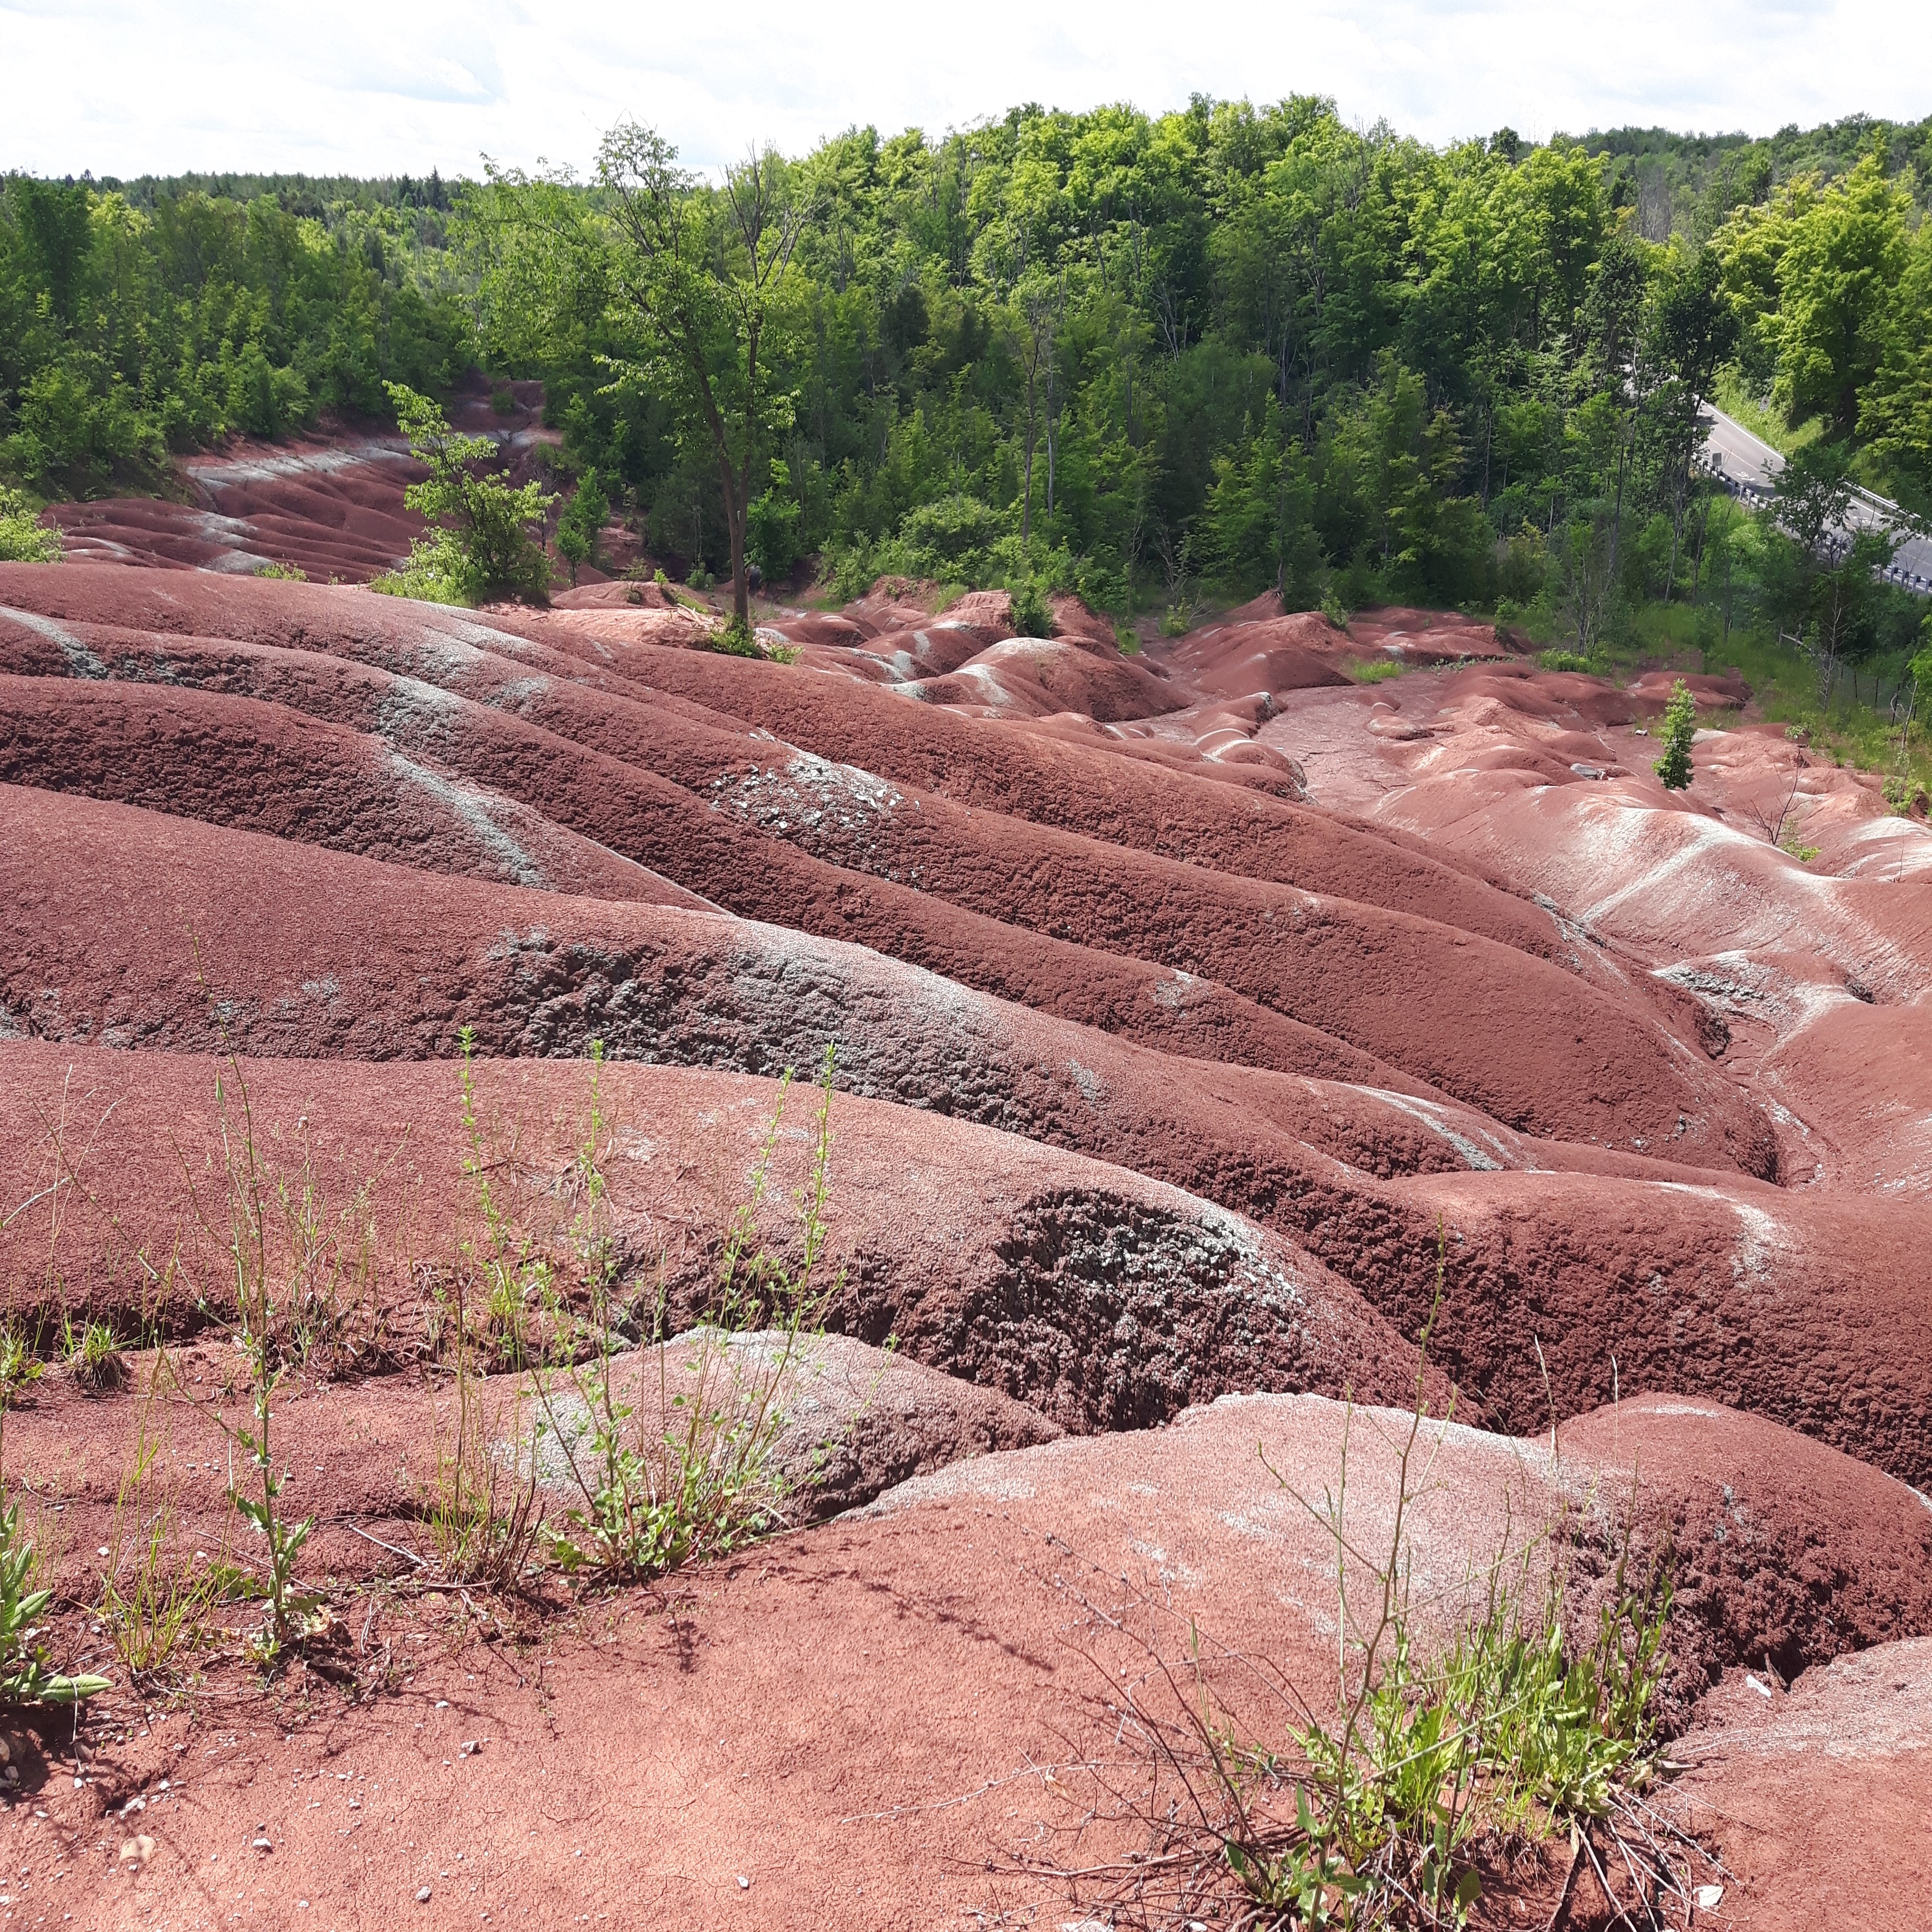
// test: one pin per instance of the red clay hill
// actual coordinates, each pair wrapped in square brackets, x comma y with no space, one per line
[1202,1017]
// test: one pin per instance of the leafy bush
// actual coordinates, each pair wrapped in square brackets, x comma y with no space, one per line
[24,538]
[1680,728]
[290,572]
[1561,660]
[487,538]
[1032,614]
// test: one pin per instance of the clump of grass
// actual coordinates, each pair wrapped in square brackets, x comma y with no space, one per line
[647,1500]
[93,1356]
[292,573]
[18,1364]
[1375,671]
[1383,1807]
[154,1609]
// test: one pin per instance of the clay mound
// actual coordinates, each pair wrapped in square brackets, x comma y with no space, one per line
[619,595]
[171,934]
[331,508]
[265,768]
[1129,804]
[1092,896]
[1276,654]
[1039,677]
[1652,692]
[892,603]
[1424,636]
[1815,1798]
[588,949]
[315,617]
[933,650]
[192,773]
[850,1422]
[1788,1553]
[1783,1549]
[973,1615]
[603,626]
[1093,790]
[1102,1299]
[1795,1305]
[826,627]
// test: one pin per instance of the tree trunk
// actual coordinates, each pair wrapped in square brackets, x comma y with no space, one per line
[1026,499]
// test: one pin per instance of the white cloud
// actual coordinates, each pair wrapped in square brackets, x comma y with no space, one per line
[126,87]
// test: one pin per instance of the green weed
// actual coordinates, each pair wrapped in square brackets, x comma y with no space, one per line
[18,1364]
[158,1610]
[647,1501]
[24,1678]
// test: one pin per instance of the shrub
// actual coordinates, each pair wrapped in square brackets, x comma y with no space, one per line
[1378,670]
[486,538]
[576,530]
[24,538]
[1559,660]
[1680,728]
[1032,614]
[736,640]
[292,573]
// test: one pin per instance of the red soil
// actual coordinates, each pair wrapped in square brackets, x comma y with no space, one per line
[330,505]
[1243,986]
[951,1636]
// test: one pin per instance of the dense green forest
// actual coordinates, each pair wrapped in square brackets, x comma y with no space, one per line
[1153,358]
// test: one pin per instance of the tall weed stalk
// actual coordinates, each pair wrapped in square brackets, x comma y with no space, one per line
[693,1474]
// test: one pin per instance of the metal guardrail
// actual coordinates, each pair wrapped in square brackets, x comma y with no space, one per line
[1759,497]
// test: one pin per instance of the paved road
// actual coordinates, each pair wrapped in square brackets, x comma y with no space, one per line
[1750,467]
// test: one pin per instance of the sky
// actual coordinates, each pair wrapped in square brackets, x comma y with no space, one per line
[130,87]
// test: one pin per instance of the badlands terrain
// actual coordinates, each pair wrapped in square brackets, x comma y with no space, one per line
[1198,1011]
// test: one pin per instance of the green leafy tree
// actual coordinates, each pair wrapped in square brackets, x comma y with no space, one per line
[24,538]
[706,277]
[486,534]
[582,518]
[1680,729]
[1820,265]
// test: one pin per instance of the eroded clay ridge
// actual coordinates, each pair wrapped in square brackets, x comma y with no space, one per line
[1377,971]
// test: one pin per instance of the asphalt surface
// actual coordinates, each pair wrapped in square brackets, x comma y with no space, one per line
[1750,466]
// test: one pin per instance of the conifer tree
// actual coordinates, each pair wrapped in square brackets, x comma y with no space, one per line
[1680,727]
